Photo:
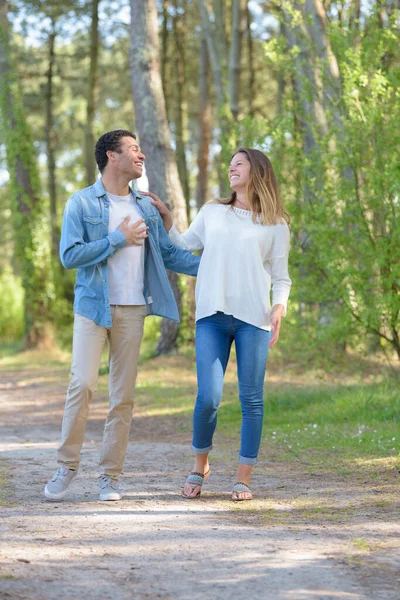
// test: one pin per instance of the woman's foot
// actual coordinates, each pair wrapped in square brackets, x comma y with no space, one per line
[193,484]
[241,491]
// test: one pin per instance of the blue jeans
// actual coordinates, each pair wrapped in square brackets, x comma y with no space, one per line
[214,337]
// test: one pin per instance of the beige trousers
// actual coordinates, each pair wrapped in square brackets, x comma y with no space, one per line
[124,339]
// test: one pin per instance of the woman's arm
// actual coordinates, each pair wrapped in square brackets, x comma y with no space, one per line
[176,259]
[192,239]
[281,282]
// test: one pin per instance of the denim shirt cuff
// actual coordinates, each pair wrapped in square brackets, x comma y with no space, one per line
[117,239]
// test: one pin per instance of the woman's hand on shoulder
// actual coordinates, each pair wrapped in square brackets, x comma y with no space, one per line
[162,209]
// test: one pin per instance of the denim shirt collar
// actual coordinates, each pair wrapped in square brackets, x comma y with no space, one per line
[100,191]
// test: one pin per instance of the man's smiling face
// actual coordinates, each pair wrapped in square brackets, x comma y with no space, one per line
[129,159]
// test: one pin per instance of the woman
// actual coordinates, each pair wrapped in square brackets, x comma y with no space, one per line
[246,245]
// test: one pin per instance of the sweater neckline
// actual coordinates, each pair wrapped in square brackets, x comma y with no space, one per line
[241,211]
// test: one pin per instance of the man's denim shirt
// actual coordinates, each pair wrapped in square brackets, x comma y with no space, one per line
[86,245]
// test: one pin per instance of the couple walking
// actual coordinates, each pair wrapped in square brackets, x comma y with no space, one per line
[121,242]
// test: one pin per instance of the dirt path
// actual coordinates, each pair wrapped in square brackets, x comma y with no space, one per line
[154,544]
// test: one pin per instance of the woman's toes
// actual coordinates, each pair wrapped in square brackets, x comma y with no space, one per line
[191,491]
[242,495]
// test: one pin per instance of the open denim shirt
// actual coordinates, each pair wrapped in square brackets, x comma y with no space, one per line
[86,245]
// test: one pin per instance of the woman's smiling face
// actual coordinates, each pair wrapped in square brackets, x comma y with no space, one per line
[239,171]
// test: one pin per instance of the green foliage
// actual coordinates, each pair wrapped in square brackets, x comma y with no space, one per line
[343,196]
[30,235]
[150,337]
[187,325]
[11,306]
[328,422]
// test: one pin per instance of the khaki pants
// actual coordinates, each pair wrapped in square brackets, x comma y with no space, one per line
[124,339]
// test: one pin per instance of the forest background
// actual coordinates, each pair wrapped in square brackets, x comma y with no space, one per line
[314,84]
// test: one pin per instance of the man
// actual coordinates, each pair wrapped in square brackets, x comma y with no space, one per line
[116,240]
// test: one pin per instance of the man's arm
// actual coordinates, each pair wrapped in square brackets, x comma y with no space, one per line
[76,252]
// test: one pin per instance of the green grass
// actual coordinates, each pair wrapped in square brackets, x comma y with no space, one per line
[10,349]
[358,420]
[325,424]
[15,359]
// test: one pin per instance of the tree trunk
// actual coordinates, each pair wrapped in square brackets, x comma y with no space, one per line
[204,129]
[164,52]
[152,126]
[354,20]
[250,65]
[310,111]
[220,30]
[218,61]
[235,54]
[217,66]
[51,142]
[90,163]
[327,75]
[226,88]
[181,107]
[31,248]
[309,117]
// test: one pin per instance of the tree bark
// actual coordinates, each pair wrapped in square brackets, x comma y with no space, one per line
[181,107]
[204,128]
[164,52]
[220,30]
[304,85]
[152,126]
[327,71]
[51,142]
[213,48]
[328,75]
[250,65]
[354,19]
[90,163]
[218,61]
[235,54]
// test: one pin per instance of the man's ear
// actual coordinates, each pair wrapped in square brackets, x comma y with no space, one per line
[110,155]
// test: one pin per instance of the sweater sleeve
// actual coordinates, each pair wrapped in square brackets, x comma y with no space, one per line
[281,281]
[193,238]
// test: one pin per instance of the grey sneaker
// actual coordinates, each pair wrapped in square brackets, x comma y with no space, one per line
[109,489]
[57,487]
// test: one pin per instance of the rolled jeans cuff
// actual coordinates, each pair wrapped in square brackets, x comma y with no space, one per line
[244,460]
[201,450]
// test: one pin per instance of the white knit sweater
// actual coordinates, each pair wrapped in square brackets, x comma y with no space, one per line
[241,261]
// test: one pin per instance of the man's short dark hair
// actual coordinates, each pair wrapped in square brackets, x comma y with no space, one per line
[109,141]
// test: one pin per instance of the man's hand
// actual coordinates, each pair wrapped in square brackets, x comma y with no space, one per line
[276,318]
[162,209]
[135,234]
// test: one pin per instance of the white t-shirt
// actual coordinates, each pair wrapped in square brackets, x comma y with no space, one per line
[240,264]
[126,267]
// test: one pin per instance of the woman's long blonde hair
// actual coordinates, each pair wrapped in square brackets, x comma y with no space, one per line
[262,192]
